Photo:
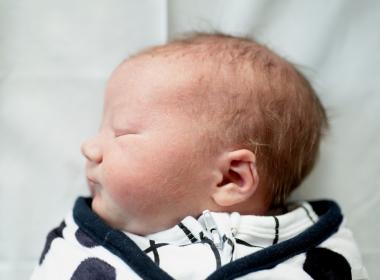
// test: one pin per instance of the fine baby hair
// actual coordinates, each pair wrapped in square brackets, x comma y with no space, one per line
[257,100]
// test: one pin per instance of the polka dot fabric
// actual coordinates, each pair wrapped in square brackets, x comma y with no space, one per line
[84,239]
[55,233]
[82,247]
[94,269]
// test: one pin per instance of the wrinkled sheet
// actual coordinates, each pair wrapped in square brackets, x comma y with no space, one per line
[56,56]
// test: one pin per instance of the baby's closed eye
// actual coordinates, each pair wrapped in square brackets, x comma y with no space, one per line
[123,132]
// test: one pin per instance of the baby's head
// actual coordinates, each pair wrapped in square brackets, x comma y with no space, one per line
[206,122]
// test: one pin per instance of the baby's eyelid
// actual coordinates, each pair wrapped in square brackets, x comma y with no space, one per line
[122,132]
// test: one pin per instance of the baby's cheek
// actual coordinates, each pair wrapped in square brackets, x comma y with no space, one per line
[123,184]
[116,180]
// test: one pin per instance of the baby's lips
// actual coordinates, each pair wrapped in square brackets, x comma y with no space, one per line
[91,184]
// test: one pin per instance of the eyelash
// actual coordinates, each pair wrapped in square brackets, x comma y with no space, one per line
[121,133]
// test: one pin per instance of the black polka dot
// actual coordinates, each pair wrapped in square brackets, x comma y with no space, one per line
[84,239]
[94,269]
[55,233]
[324,264]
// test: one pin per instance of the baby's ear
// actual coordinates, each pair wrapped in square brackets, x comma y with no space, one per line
[240,178]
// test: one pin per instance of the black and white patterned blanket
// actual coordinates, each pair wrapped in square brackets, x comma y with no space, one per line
[309,242]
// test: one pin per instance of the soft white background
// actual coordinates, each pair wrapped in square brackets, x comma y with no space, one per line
[55,58]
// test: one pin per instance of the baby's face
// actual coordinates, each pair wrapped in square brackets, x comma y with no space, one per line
[145,168]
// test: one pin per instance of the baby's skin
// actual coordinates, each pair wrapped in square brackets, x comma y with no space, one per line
[148,167]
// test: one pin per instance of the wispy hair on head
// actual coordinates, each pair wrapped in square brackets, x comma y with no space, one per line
[256,100]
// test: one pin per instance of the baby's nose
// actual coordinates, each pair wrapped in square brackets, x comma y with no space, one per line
[92,151]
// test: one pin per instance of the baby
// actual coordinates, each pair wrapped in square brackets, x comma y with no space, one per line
[202,140]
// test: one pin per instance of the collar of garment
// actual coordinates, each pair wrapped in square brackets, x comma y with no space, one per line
[258,231]
[300,230]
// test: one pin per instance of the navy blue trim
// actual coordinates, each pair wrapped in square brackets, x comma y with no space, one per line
[116,242]
[122,246]
[269,257]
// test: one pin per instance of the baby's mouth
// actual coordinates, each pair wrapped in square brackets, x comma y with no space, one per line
[92,185]
[91,182]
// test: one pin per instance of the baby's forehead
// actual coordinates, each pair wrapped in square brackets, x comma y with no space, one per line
[158,77]
[158,82]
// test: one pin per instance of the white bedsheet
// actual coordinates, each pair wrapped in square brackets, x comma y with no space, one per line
[55,58]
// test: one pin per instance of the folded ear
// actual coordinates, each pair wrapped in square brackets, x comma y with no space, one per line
[240,178]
